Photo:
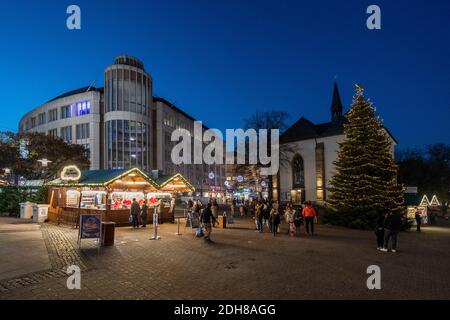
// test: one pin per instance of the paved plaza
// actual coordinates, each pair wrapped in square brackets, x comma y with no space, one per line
[240,264]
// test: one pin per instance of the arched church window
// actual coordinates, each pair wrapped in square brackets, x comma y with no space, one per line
[298,172]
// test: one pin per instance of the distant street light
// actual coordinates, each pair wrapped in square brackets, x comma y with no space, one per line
[44,162]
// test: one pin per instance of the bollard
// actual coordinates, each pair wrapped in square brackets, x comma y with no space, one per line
[224,220]
[155,226]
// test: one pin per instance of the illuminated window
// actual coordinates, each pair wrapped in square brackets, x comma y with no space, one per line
[82,108]
[298,172]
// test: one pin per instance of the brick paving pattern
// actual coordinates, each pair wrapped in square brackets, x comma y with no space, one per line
[241,264]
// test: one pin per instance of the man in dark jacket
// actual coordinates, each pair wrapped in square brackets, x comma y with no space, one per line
[418,220]
[144,215]
[392,226]
[206,218]
[134,212]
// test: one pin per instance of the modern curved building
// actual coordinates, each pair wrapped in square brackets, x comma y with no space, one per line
[122,125]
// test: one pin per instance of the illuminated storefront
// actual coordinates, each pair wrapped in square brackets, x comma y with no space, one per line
[110,193]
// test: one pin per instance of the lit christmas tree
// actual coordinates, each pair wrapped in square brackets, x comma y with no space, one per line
[365,184]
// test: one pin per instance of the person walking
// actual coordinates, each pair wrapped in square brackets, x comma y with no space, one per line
[379,232]
[392,227]
[144,212]
[418,220]
[288,218]
[309,213]
[206,218]
[276,219]
[259,216]
[134,212]
[172,210]
[232,208]
[298,221]
[214,210]
[160,210]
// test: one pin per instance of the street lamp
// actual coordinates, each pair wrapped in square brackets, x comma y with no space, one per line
[44,162]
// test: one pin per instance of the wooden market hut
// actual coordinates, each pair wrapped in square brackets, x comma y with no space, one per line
[110,193]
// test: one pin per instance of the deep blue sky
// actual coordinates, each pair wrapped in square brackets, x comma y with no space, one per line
[223,60]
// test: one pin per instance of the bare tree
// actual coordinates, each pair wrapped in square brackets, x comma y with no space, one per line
[265,120]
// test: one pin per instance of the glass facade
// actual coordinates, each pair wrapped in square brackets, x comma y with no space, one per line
[127,144]
[128,88]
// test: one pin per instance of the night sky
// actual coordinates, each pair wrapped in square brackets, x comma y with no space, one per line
[221,61]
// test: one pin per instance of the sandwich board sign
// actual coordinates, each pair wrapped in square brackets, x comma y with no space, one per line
[90,227]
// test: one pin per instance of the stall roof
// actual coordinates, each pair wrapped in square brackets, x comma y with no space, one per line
[107,177]
[162,181]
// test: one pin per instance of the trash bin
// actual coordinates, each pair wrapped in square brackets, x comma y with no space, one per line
[40,212]
[108,231]
[26,210]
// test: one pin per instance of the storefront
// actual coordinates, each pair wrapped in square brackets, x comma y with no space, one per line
[424,207]
[110,193]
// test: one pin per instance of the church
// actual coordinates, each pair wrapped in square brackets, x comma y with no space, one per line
[306,165]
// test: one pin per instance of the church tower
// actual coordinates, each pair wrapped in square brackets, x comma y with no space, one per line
[336,104]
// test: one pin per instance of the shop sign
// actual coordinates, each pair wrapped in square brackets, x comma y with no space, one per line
[90,226]
[71,173]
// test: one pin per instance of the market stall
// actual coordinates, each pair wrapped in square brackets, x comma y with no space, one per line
[110,193]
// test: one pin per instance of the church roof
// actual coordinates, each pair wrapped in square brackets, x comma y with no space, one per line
[304,129]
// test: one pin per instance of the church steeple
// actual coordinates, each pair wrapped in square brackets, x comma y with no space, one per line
[336,104]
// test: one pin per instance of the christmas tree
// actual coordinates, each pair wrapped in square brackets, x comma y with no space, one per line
[365,184]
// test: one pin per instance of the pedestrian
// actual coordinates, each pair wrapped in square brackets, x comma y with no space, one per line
[288,218]
[418,220]
[298,221]
[432,218]
[214,210]
[392,227]
[266,212]
[190,205]
[134,212]
[309,213]
[379,232]
[260,217]
[232,208]
[160,210]
[172,210]
[275,217]
[144,212]
[206,218]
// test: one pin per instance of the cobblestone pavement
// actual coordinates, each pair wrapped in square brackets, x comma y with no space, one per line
[240,264]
